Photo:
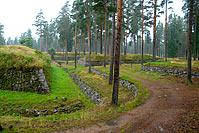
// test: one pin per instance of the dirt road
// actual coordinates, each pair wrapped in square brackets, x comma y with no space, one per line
[165,111]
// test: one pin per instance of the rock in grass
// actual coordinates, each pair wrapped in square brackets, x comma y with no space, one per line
[1,128]
[64,99]
[55,97]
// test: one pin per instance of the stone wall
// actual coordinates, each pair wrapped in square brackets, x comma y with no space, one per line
[83,62]
[181,73]
[69,58]
[124,83]
[24,80]
[69,109]
[88,91]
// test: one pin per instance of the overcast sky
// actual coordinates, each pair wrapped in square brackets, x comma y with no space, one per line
[17,16]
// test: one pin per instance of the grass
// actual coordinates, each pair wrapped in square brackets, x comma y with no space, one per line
[70,54]
[100,57]
[134,70]
[128,57]
[17,56]
[100,85]
[175,63]
[63,86]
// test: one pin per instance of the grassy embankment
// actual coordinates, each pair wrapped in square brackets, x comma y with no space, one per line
[100,57]
[175,63]
[62,86]
[18,57]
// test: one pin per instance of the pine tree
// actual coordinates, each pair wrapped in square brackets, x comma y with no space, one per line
[117,54]
[39,23]
[189,80]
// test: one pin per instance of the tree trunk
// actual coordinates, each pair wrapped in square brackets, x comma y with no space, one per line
[63,50]
[89,48]
[194,53]
[154,31]
[140,51]
[105,44]
[189,81]
[79,47]
[159,49]
[108,45]
[95,38]
[66,46]
[117,54]
[40,37]
[134,44]
[166,32]
[124,39]
[121,44]
[187,39]
[83,44]
[126,44]
[101,38]
[142,32]
[137,46]
[113,46]
[57,44]
[46,44]
[76,43]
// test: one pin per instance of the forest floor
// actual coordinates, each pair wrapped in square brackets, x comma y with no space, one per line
[172,107]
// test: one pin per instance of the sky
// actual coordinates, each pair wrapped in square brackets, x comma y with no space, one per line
[17,16]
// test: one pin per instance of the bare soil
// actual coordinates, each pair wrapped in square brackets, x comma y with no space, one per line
[172,107]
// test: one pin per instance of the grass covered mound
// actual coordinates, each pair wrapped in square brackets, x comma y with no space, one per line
[13,106]
[18,56]
[63,86]
[100,57]
[128,57]
[175,63]
[70,54]
[23,69]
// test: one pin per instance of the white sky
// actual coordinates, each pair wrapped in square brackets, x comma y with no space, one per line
[17,16]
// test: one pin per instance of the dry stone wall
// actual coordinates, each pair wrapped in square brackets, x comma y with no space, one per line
[24,80]
[87,90]
[83,62]
[181,73]
[69,109]
[126,84]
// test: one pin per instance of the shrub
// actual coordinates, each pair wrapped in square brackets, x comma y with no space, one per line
[51,51]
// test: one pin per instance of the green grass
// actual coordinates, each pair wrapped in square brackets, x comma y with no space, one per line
[70,54]
[128,57]
[17,56]
[63,86]
[100,84]
[134,70]
[100,57]
[175,64]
